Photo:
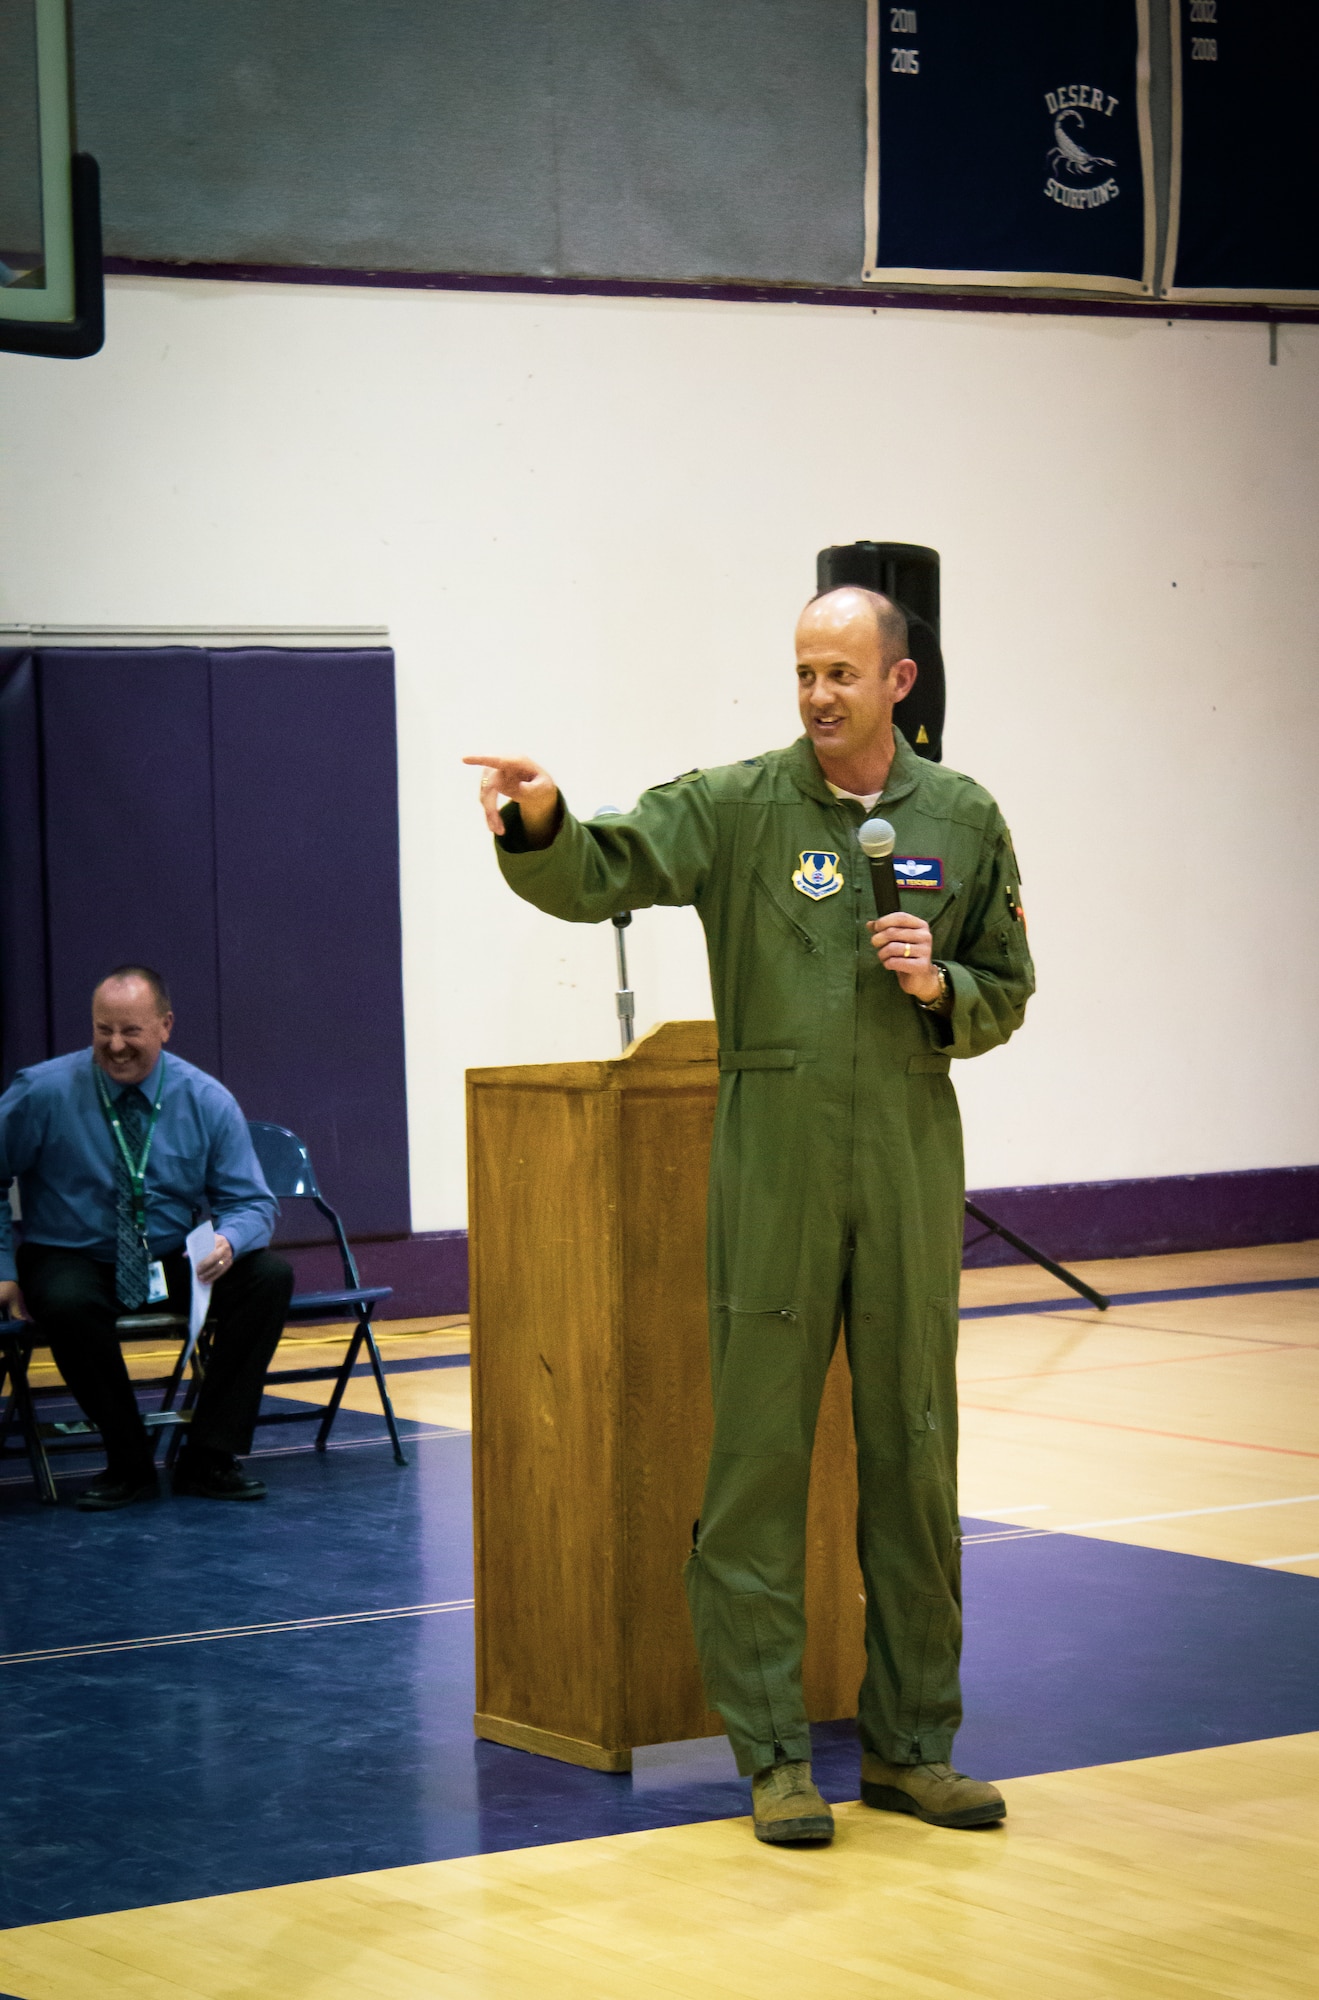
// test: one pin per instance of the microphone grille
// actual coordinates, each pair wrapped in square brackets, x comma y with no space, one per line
[877,839]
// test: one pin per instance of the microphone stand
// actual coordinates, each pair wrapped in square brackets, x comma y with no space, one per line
[625,999]
[991,1228]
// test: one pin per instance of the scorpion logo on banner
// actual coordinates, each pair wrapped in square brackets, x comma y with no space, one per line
[1072,184]
[1067,155]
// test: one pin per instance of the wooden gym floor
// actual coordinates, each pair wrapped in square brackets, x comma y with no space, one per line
[1180,1428]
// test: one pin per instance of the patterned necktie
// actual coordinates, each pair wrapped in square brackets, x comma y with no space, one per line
[130,1266]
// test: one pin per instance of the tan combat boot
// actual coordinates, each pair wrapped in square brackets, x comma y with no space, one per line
[933,1792]
[786,1806]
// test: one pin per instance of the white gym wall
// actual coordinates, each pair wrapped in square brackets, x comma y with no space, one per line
[589,525]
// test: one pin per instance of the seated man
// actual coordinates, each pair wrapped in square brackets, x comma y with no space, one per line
[117,1150]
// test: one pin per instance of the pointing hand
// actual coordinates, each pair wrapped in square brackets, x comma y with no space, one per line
[534,790]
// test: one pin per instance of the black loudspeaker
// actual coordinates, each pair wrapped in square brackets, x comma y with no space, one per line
[909,575]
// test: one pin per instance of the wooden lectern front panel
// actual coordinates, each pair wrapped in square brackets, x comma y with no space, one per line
[546,1393]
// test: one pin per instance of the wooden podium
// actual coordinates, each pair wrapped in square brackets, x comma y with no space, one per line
[591,1409]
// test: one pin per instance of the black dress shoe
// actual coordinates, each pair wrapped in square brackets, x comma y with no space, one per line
[112,1489]
[216,1478]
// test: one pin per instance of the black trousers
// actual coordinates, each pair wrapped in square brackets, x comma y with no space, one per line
[71,1298]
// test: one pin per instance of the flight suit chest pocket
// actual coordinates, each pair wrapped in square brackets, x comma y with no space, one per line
[780,983]
[769,908]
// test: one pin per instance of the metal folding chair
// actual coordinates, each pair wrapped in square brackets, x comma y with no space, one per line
[289,1173]
[39,1440]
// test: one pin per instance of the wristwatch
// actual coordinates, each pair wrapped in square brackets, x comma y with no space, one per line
[941,998]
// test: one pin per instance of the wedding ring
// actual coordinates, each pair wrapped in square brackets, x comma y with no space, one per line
[906,951]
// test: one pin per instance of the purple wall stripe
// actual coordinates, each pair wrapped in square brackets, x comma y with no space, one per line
[428,1272]
[1072,1221]
[737,294]
[1151,1218]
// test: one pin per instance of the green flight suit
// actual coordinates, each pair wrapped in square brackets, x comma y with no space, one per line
[835,1194]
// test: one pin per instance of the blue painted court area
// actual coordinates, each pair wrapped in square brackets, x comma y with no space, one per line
[338,1736]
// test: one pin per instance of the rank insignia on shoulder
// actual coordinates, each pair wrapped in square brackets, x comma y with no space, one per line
[918,871]
[818,876]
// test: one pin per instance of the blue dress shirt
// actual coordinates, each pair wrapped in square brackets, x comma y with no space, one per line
[55,1139]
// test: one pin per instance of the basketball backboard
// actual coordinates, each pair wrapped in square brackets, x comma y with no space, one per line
[50,259]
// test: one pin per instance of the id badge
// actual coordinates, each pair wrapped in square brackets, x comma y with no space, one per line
[157,1289]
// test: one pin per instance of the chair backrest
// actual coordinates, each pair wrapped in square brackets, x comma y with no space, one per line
[284,1160]
[286,1164]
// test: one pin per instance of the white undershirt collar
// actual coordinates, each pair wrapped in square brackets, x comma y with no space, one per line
[867,799]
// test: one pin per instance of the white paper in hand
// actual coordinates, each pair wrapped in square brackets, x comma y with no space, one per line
[199,1244]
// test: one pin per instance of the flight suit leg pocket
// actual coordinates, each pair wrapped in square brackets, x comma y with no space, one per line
[767,1376]
[902,1359]
[929,1386]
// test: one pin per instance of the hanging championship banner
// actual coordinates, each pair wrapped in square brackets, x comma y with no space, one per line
[1010,146]
[1241,221]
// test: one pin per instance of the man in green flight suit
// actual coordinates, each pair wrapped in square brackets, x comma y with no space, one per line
[835,1178]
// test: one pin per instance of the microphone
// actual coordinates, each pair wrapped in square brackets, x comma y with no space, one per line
[878,840]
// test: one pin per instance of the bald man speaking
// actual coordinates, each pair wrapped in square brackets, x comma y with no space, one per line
[835,1179]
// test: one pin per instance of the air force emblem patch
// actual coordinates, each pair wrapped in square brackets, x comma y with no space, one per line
[918,871]
[818,876]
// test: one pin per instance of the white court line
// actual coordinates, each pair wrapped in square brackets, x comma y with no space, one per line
[1135,1520]
[333,1619]
[1275,1562]
[355,1444]
[271,1451]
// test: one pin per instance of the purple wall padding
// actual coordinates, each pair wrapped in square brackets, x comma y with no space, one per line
[310,947]
[230,818]
[428,1273]
[1150,1218]
[130,854]
[24,986]
[1069,1223]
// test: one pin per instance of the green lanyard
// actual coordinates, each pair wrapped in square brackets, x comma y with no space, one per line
[137,1173]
